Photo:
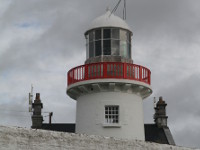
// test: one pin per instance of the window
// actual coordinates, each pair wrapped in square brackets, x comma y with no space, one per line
[112,114]
[115,47]
[106,47]
[123,49]
[123,35]
[98,34]
[87,51]
[129,50]
[106,33]
[97,48]
[129,37]
[91,49]
[115,33]
[108,41]
[91,36]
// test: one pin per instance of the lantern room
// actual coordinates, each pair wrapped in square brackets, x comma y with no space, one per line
[108,39]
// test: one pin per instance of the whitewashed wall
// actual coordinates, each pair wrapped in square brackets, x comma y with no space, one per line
[24,139]
[90,117]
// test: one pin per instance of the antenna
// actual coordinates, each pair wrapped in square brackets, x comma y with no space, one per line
[154,102]
[124,9]
[115,8]
[31,98]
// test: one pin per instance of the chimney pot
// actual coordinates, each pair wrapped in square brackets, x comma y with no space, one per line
[37,96]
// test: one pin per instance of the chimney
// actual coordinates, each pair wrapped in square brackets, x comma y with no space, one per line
[37,117]
[160,117]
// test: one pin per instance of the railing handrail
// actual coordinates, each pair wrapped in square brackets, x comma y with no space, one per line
[107,70]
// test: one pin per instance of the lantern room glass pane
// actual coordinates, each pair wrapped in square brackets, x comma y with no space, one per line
[123,49]
[98,34]
[87,51]
[97,48]
[129,37]
[91,49]
[106,47]
[123,35]
[115,33]
[91,36]
[115,47]
[129,50]
[87,39]
[106,33]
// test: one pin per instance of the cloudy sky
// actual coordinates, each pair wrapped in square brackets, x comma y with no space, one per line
[40,40]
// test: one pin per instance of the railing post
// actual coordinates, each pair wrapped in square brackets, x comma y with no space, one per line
[149,77]
[124,70]
[104,70]
[68,78]
[72,81]
[86,72]
[76,74]
[140,73]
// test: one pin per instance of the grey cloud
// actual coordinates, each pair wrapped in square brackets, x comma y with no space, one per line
[183,97]
[190,132]
[175,18]
[183,109]
[15,113]
[56,41]
[166,40]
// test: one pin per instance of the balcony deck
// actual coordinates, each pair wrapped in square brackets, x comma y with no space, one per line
[109,70]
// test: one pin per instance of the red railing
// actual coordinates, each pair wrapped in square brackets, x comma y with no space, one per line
[108,70]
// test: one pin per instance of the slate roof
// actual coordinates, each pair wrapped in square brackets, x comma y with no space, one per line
[158,135]
[152,132]
[62,127]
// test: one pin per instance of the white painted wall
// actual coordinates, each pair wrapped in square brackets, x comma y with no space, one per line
[90,115]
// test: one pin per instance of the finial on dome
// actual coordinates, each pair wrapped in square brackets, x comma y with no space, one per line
[108,8]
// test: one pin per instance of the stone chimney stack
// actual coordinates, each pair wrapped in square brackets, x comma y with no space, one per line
[37,117]
[160,117]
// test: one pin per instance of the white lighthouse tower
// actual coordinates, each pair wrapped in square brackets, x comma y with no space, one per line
[109,88]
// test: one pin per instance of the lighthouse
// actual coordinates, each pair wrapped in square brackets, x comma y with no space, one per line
[109,88]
